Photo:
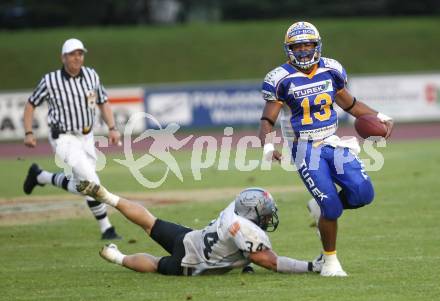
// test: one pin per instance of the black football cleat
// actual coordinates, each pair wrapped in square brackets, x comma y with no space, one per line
[31,179]
[110,234]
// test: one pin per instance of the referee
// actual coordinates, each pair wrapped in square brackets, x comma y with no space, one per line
[72,93]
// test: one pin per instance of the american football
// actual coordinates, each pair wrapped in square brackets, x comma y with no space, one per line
[369,125]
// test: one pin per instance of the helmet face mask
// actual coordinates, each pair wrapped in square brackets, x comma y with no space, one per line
[258,206]
[302,33]
[269,223]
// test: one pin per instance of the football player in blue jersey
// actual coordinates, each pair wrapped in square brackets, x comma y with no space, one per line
[305,90]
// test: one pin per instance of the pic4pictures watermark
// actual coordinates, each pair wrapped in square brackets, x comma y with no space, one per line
[214,152]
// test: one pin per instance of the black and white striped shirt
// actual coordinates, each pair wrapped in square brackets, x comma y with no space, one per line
[71,100]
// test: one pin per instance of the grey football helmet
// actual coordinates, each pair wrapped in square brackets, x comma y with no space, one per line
[258,206]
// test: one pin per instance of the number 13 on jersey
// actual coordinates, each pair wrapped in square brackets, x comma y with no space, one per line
[324,114]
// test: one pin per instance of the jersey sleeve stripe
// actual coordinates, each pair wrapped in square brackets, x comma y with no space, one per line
[39,94]
[234,228]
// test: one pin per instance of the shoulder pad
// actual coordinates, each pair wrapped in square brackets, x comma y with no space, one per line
[333,64]
[274,76]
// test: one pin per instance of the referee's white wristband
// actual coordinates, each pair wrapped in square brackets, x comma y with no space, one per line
[383,117]
[268,151]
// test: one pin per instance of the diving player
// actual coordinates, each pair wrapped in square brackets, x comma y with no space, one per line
[305,89]
[233,240]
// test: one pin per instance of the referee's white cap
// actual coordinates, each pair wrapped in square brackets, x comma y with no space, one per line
[72,45]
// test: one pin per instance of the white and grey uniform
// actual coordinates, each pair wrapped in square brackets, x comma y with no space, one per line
[224,244]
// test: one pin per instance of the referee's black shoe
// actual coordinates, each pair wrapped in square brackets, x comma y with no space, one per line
[110,234]
[31,179]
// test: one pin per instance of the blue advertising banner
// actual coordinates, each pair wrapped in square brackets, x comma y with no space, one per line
[206,105]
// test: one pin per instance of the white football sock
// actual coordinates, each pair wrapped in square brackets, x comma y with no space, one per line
[332,267]
[104,224]
[71,186]
[45,177]
[113,254]
[330,258]
[110,198]
[119,257]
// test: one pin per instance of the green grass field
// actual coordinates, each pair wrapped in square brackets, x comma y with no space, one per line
[223,51]
[390,248]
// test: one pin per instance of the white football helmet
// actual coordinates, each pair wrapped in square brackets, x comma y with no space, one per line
[258,206]
[303,32]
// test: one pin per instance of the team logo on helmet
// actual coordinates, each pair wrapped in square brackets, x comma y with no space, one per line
[303,32]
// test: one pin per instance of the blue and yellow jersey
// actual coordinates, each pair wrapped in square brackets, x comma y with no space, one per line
[307,98]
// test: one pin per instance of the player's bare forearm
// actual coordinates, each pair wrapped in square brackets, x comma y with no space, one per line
[357,108]
[266,259]
[265,128]
[268,118]
[270,260]
[360,109]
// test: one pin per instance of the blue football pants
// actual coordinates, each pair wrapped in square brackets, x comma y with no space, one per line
[321,167]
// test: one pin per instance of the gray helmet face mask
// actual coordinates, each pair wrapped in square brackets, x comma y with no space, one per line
[258,206]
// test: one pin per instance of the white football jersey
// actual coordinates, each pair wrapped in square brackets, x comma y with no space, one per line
[224,244]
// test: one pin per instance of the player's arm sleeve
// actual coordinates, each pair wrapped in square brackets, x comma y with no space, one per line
[250,238]
[272,88]
[270,260]
[39,94]
[340,78]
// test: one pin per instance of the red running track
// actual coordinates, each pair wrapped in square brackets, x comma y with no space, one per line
[400,132]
